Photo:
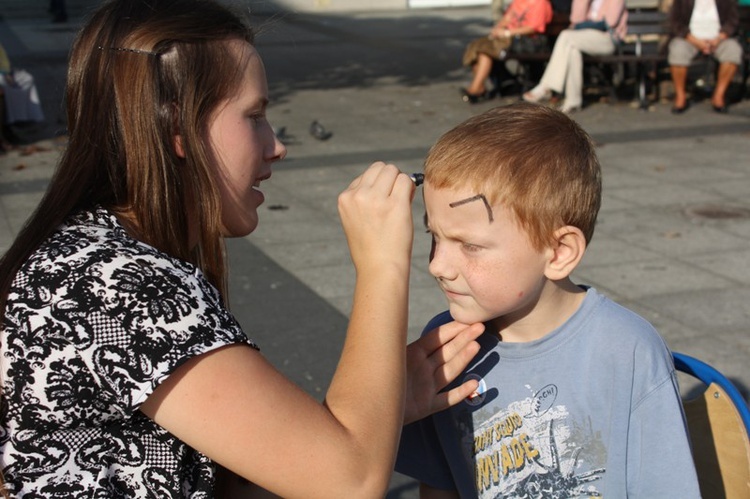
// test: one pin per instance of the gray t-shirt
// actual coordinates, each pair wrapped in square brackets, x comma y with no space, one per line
[591,409]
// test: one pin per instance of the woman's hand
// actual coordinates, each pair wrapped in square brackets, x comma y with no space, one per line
[714,43]
[435,360]
[703,46]
[376,215]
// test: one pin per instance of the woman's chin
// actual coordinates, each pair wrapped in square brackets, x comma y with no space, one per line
[240,228]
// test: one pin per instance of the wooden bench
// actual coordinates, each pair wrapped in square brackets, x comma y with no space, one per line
[642,49]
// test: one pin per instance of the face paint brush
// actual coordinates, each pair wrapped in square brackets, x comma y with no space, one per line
[417,178]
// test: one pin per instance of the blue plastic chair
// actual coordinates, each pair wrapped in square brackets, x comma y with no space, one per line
[719,425]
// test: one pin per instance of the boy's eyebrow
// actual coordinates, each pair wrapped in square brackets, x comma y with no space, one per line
[475,198]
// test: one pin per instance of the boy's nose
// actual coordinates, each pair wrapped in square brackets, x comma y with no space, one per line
[438,263]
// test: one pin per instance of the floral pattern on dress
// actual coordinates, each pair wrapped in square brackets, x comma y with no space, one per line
[95,321]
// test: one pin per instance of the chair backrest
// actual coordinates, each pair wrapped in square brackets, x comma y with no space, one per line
[647,31]
[719,425]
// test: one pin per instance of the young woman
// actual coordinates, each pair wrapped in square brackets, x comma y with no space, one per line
[597,27]
[123,373]
[523,24]
[707,27]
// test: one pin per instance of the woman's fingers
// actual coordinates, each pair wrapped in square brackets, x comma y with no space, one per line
[375,212]
[433,362]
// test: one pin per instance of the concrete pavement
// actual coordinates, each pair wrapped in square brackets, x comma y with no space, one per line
[673,240]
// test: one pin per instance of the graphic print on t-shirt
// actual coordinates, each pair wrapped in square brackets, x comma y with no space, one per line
[533,448]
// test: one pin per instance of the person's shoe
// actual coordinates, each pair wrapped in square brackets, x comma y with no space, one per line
[475,98]
[720,109]
[537,94]
[681,109]
[568,109]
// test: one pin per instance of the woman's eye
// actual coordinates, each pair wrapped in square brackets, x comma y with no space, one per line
[257,118]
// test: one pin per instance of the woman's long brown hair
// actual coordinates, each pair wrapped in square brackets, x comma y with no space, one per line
[141,72]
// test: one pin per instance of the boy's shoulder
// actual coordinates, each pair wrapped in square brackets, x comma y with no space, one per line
[612,321]
[601,329]
[618,323]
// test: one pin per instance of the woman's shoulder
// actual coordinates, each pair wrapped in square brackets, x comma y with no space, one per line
[95,237]
[92,250]
[91,266]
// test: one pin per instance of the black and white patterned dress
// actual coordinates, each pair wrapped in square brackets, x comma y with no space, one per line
[95,321]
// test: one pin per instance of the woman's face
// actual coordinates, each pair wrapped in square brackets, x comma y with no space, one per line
[244,144]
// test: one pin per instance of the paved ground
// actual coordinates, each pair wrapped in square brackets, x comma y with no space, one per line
[673,241]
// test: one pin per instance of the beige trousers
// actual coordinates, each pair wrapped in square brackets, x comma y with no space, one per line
[564,72]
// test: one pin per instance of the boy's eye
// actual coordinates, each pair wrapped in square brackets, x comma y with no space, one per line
[471,247]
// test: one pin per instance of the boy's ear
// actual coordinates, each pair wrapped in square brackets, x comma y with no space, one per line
[566,252]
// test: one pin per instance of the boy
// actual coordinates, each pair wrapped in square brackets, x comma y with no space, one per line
[577,396]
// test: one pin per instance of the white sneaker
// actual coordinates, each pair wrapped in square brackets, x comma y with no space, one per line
[537,94]
[570,109]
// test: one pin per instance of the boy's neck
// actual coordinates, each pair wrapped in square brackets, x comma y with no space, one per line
[558,301]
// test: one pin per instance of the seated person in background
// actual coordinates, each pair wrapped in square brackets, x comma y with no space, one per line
[577,395]
[498,9]
[706,27]
[522,27]
[597,26]
[19,99]
[4,69]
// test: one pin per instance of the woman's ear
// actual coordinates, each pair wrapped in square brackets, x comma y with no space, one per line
[178,149]
[174,111]
[566,252]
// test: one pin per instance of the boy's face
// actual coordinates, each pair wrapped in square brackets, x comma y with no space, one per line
[481,258]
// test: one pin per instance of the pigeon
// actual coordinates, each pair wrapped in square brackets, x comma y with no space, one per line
[281,134]
[319,132]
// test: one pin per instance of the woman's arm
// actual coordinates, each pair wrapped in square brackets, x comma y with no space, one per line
[232,405]
[679,19]
[498,32]
[729,15]
[532,20]
[579,11]
[615,13]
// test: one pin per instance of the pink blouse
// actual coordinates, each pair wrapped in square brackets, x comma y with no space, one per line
[529,14]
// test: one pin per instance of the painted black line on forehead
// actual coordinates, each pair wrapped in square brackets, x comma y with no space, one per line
[475,198]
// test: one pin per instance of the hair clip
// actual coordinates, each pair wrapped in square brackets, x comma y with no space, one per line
[134,51]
